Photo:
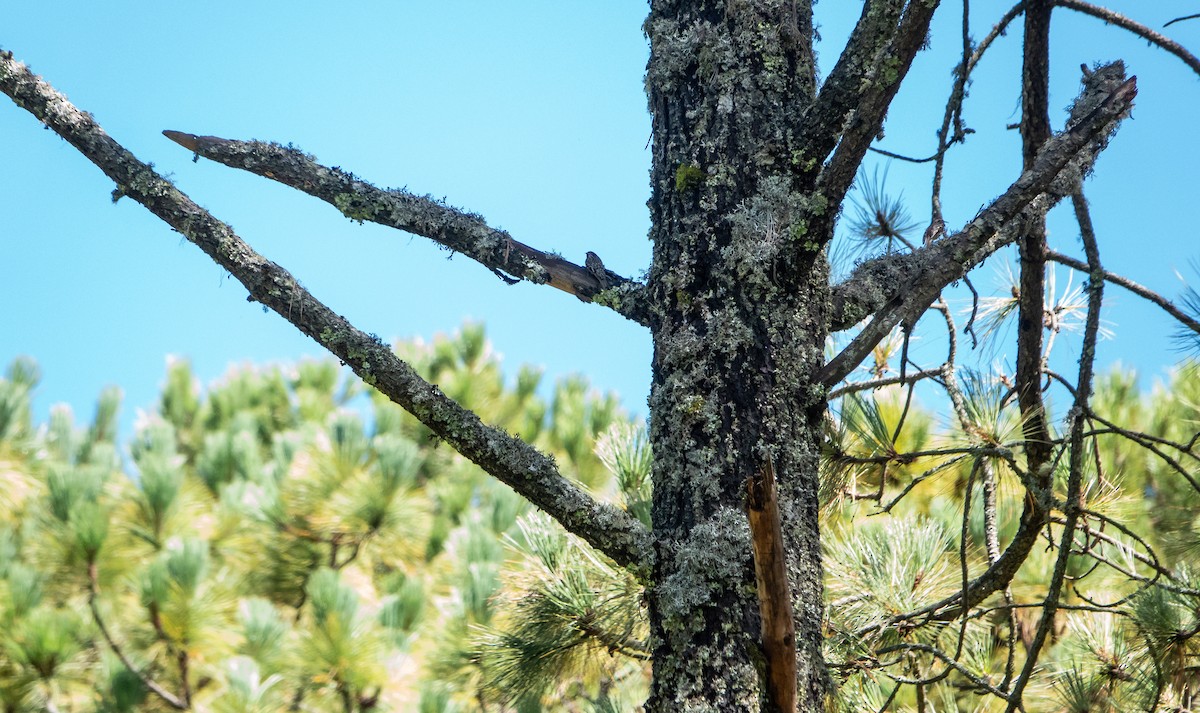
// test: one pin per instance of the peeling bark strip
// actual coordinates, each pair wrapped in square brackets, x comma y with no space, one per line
[509,459]
[774,592]
[451,228]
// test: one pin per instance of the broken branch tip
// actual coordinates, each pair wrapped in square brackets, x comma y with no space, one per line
[188,141]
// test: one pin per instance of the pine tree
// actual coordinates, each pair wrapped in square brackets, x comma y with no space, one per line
[752,161]
[272,550]
[398,576]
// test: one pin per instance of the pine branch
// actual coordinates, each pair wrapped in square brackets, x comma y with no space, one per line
[824,119]
[1097,113]
[449,227]
[512,461]
[93,594]
[894,288]
[873,101]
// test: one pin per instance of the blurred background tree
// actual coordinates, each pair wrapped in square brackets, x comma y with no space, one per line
[287,540]
[284,540]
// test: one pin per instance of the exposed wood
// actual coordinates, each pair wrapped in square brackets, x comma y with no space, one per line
[774,591]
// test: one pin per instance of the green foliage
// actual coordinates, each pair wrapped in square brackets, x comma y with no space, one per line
[879,222]
[1126,628]
[266,546]
[560,608]
[625,451]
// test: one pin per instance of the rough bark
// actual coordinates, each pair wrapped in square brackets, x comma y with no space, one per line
[738,290]
[740,303]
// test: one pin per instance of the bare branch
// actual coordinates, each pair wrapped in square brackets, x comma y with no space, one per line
[1141,291]
[449,227]
[873,101]
[823,120]
[514,462]
[902,157]
[958,95]
[977,681]
[884,381]
[1155,38]
[1031,243]
[901,287]
[1180,19]
[1072,509]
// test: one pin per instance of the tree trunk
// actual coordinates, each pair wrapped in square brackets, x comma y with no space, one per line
[740,291]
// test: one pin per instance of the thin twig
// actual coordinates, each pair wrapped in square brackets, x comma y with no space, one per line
[1144,292]
[93,597]
[1153,37]
[856,386]
[978,681]
[958,94]
[1180,19]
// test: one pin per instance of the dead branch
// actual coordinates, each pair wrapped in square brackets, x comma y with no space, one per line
[899,287]
[1146,293]
[1155,38]
[449,227]
[512,461]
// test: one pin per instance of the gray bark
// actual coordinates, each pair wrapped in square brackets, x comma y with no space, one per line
[739,288]
[750,164]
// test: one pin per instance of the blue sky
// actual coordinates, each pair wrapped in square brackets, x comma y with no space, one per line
[530,113]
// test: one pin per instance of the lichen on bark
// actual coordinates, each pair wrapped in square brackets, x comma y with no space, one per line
[738,318]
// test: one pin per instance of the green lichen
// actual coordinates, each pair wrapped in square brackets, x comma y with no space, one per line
[688,176]
[891,71]
[802,162]
[609,298]
[353,207]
